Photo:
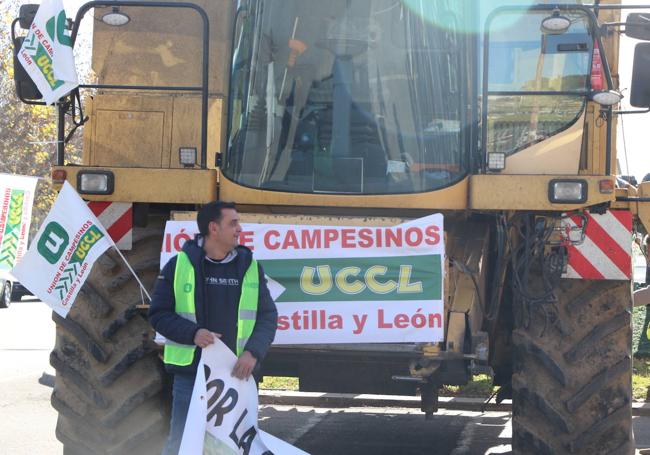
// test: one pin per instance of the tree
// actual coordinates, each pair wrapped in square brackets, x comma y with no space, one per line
[27,133]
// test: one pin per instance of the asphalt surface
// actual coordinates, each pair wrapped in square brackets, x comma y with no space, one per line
[28,420]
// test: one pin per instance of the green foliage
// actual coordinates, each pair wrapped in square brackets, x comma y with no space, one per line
[27,133]
[641,379]
[479,387]
[279,383]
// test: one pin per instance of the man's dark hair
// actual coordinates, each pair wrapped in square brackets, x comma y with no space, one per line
[212,211]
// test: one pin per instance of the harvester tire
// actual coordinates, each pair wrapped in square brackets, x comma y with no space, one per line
[111,391]
[572,380]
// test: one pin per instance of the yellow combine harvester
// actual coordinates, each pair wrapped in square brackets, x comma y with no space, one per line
[499,115]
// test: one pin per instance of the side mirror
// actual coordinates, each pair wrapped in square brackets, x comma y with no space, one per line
[26,15]
[637,26]
[25,87]
[640,91]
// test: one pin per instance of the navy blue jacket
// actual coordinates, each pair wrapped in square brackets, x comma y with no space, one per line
[163,317]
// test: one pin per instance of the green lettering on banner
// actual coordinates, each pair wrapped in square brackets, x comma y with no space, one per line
[53,242]
[86,242]
[358,279]
[44,63]
[11,236]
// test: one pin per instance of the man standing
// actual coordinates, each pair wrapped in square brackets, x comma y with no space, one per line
[212,289]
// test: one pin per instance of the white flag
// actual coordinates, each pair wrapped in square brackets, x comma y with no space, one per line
[61,256]
[16,198]
[222,417]
[47,54]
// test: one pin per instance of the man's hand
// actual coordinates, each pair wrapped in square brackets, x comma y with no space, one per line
[244,366]
[204,338]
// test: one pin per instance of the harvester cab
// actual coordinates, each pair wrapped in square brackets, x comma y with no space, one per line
[501,116]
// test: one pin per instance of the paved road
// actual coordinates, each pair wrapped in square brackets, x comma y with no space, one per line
[28,421]
[26,339]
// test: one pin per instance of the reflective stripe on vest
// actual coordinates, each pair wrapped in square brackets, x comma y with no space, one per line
[184,280]
[250,291]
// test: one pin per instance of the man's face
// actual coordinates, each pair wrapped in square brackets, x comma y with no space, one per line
[226,232]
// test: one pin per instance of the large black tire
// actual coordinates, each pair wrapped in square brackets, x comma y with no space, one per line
[111,390]
[5,295]
[572,384]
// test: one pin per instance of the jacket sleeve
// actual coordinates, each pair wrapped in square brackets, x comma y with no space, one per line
[266,322]
[162,315]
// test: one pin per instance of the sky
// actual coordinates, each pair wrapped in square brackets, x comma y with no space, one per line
[632,144]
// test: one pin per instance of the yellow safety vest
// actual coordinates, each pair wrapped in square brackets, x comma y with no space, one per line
[184,282]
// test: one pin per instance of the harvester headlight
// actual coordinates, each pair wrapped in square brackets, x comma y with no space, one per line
[555,24]
[567,191]
[607,97]
[95,182]
[187,156]
[115,18]
[496,161]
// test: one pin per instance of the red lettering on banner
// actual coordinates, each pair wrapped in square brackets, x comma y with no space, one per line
[246,239]
[310,320]
[403,321]
[347,238]
[267,240]
[290,241]
[393,238]
[365,236]
[27,58]
[311,239]
[331,235]
[433,236]
[409,237]
[180,239]
[283,323]
[378,238]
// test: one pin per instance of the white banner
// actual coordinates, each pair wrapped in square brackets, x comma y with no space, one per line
[46,53]
[16,199]
[63,252]
[222,418]
[342,284]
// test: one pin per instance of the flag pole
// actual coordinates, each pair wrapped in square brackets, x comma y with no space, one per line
[132,271]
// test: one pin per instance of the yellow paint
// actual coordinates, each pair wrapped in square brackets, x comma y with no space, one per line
[405,286]
[453,197]
[376,286]
[559,154]
[307,284]
[527,192]
[349,287]
[182,186]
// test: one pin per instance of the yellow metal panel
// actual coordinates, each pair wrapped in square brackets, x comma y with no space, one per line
[118,140]
[453,197]
[131,131]
[527,192]
[163,46]
[186,128]
[182,186]
[87,136]
[302,219]
[559,154]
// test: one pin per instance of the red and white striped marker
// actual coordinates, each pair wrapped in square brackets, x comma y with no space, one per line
[606,253]
[117,218]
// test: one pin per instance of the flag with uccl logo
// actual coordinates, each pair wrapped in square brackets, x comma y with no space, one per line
[61,256]
[46,53]
[16,198]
